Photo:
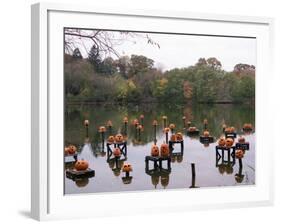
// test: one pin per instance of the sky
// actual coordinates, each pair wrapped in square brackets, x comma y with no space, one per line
[185,50]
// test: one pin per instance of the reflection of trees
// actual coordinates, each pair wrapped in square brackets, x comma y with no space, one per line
[75,132]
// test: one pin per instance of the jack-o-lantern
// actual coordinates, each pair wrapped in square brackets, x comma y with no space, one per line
[141,116]
[173,138]
[86,123]
[164,150]
[221,142]
[232,129]
[172,126]
[247,126]
[164,117]
[166,130]
[155,123]
[227,130]
[72,149]
[241,140]
[179,136]
[102,129]
[109,123]
[206,134]
[239,153]
[192,129]
[135,122]
[119,138]
[183,117]
[229,142]
[110,139]
[205,121]
[117,152]
[125,120]
[81,165]
[127,167]
[154,150]
[139,127]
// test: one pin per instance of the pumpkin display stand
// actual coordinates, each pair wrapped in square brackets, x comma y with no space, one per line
[230,134]
[206,139]
[173,143]
[158,162]
[244,146]
[112,145]
[220,155]
[79,174]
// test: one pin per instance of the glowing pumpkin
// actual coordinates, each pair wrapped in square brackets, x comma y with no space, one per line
[72,149]
[117,152]
[155,123]
[166,130]
[232,129]
[206,134]
[141,116]
[164,117]
[221,142]
[205,121]
[229,142]
[125,119]
[241,140]
[127,167]
[81,165]
[173,138]
[102,129]
[164,150]
[135,122]
[119,138]
[172,126]
[248,126]
[154,150]
[110,139]
[192,129]
[239,153]
[109,123]
[179,136]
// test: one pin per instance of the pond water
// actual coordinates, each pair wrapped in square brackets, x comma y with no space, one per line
[209,172]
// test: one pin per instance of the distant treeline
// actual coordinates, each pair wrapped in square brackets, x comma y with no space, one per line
[135,79]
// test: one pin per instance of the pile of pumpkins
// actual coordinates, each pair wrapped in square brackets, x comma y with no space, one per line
[229,130]
[70,150]
[227,143]
[163,152]
[178,137]
[119,138]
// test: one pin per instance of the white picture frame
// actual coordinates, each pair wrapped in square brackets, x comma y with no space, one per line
[48,200]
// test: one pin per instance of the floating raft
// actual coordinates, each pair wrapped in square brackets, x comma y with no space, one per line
[204,139]
[244,146]
[75,174]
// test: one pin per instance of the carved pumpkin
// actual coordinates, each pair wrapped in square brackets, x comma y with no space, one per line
[241,140]
[227,130]
[127,167]
[102,129]
[110,139]
[192,129]
[71,149]
[247,126]
[173,138]
[154,150]
[205,121]
[229,142]
[119,138]
[172,126]
[139,127]
[166,130]
[117,152]
[135,122]
[239,153]
[183,117]
[109,123]
[232,129]
[164,117]
[155,123]
[86,123]
[179,136]
[125,119]
[206,134]
[164,150]
[221,142]
[81,165]
[141,116]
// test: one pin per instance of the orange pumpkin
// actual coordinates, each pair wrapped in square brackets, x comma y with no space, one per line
[172,126]
[205,121]
[192,129]
[139,127]
[154,150]
[110,139]
[248,126]
[229,142]
[227,130]
[102,129]
[155,123]
[166,130]
[86,123]
[183,117]
[72,149]
[189,123]
[164,150]
[173,138]
[232,129]
[179,136]
[164,117]
[117,152]
[81,165]
[66,150]
[119,138]
[221,142]
[109,123]
[241,140]
[141,116]
[135,122]
[206,134]
[239,153]
[127,167]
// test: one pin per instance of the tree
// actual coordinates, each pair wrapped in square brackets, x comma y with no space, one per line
[214,63]
[244,69]
[108,66]
[140,64]
[94,58]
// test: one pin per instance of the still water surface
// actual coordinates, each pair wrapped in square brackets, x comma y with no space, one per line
[208,172]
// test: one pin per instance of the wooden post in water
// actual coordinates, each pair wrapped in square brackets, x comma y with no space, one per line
[193,175]
[154,126]
[183,121]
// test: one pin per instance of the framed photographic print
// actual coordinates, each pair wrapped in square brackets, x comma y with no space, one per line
[162,111]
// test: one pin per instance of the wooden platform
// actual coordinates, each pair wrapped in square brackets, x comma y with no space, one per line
[121,145]
[75,174]
[220,154]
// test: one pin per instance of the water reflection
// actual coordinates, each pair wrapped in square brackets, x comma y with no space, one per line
[144,126]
